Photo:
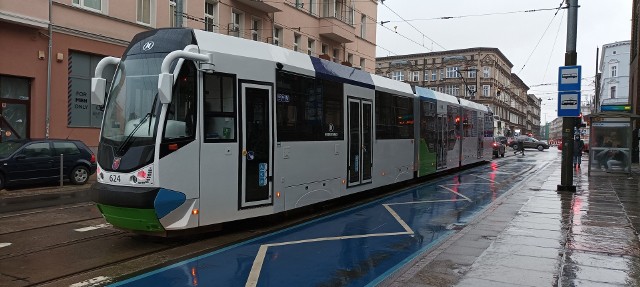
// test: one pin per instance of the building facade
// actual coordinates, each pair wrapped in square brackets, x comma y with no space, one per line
[482,75]
[614,73]
[35,105]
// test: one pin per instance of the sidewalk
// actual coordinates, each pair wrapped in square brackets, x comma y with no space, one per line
[534,236]
[43,195]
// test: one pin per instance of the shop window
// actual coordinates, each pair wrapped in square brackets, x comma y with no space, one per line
[83,113]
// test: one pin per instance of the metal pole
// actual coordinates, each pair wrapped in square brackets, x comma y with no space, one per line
[47,116]
[61,169]
[568,123]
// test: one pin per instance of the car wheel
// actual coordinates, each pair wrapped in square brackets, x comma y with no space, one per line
[540,148]
[515,147]
[1,181]
[79,175]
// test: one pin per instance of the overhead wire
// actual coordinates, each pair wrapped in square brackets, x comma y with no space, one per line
[553,47]
[540,40]
[414,27]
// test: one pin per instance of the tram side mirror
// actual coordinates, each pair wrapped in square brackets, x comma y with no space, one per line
[97,91]
[165,85]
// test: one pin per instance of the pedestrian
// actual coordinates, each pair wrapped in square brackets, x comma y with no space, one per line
[578,145]
[519,146]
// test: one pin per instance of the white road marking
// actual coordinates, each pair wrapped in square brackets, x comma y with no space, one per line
[254,275]
[459,194]
[4,244]
[100,280]
[89,228]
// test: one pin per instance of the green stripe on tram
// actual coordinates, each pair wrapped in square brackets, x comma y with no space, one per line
[131,218]
[427,159]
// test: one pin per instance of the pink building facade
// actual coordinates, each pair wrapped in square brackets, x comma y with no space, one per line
[85,31]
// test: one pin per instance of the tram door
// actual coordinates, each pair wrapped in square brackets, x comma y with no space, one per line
[441,142]
[360,141]
[256,156]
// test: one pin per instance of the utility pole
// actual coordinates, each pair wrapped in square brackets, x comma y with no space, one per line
[568,123]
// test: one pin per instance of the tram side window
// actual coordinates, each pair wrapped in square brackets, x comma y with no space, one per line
[308,109]
[394,116]
[181,116]
[428,124]
[219,108]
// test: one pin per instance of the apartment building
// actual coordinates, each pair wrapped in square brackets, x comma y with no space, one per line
[614,73]
[533,115]
[81,32]
[482,75]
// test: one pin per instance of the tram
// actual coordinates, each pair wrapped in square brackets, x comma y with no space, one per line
[201,129]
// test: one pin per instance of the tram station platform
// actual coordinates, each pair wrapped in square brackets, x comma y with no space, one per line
[534,236]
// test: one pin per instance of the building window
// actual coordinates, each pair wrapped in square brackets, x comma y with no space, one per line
[173,14]
[415,76]
[336,55]
[277,33]
[144,11]
[363,26]
[426,75]
[311,47]
[471,73]
[471,91]
[325,49]
[256,26]
[350,58]
[486,90]
[453,90]
[614,71]
[91,4]
[486,72]
[362,63]
[613,92]
[452,72]
[235,26]
[434,76]
[296,42]
[299,4]
[210,8]
[313,7]
[397,75]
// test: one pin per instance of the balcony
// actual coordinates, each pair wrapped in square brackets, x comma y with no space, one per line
[267,7]
[336,30]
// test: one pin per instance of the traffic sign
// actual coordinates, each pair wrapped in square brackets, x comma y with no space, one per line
[569,79]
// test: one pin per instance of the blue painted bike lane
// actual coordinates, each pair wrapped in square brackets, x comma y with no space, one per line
[357,247]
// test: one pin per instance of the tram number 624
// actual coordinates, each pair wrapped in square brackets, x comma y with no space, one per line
[114,178]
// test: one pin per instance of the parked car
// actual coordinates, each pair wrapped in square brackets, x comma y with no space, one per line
[530,142]
[498,148]
[38,160]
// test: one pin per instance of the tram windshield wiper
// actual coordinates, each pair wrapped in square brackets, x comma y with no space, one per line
[122,148]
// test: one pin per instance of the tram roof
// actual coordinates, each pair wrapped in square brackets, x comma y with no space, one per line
[473,105]
[431,94]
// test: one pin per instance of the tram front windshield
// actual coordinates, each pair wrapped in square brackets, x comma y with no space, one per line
[131,113]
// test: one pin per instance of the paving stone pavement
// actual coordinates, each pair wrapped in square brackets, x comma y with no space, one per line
[534,236]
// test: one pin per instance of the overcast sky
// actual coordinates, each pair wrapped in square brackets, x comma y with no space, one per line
[599,22]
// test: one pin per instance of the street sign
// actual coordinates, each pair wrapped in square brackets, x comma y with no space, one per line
[569,79]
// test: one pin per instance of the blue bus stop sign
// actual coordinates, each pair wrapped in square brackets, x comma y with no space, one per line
[569,79]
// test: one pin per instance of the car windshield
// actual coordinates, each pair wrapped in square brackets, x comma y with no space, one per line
[132,102]
[9,147]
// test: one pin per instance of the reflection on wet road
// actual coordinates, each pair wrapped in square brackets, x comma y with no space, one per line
[357,247]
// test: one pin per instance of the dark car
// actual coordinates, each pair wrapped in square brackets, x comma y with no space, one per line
[498,148]
[529,142]
[38,160]
[504,140]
